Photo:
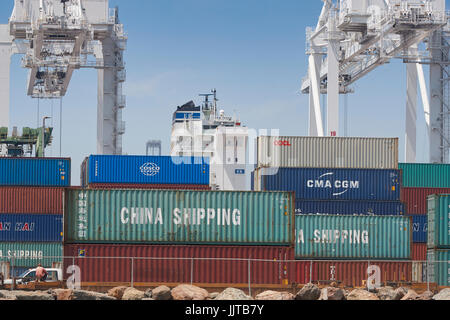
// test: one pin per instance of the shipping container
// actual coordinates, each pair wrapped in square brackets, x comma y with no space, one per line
[352,273]
[104,169]
[425,175]
[352,237]
[439,266]
[179,264]
[327,152]
[439,221]
[29,254]
[419,251]
[31,227]
[182,217]
[331,184]
[419,228]
[150,186]
[50,172]
[415,199]
[31,200]
[350,208]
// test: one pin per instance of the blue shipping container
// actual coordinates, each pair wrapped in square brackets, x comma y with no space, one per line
[49,172]
[147,170]
[331,184]
[419,228]
[31,227]
[350,208]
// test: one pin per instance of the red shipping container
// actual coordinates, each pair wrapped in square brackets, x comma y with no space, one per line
[352,273]
[419,252]
[415,199]
[31,200]
[174,264]
[150,186]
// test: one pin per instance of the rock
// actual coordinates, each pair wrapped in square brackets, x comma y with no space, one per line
[7,295]
[386,293]
[162,293]
[62,294]
[133,294]
[308,292]
[90,295]
[360,294]
[443,295]
[332,293]
[189,292]
[33,295]
[274,295]
[148,293]
[400,293]
[213,295]
[411,295]
[117,292]
[147,299]
[427,295]
[233,294]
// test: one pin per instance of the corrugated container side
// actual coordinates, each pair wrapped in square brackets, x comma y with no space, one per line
[331,184]
[419,228]
[29,254]
[439,266]
[349,208]
[415,199]
[215,264]
[353,273]
[352,237]
[419,251]
[183,217]
[147,170]
[425,175]
[439,221]
[151,186]
[328,152]
[31,228]
[31,200]
[51,172]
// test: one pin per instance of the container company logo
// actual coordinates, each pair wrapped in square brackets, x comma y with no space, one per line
[150,169]
[340,186]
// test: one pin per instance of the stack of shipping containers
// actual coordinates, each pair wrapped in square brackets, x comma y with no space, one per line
[347,205]
[419,181]
[31,220]
[174,235]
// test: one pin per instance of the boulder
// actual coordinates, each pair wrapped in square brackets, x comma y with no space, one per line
[386,293]
[411,295]
[148,293]
[212,295]
[308,292]
[117,292]
[90,295]
[62,294]
[133,294]
[360,294]
[443,295]
[427,295]
[162,293]
[33,295]
[274,295]
[332,293]
[400,293]
[7,295]
[189,292]
[233,294]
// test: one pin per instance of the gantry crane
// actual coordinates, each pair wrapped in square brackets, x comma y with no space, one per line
[353,37]
[58,37]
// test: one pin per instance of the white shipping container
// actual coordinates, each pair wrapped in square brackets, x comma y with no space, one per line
[327,152]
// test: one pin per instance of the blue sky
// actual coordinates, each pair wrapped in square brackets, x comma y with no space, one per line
[251,51]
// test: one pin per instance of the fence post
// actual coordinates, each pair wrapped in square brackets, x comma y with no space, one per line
[13,277]
[249,279]
[192,270]
[132,272]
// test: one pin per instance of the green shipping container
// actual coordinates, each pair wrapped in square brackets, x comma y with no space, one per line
[24,254]
[439,267]
[353,237]
[179,217]
[425,175]
[438,221]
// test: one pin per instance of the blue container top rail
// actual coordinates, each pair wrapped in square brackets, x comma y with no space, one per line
[103,169]
[49,172]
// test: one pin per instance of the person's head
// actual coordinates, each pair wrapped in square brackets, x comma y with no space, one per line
[39,265]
